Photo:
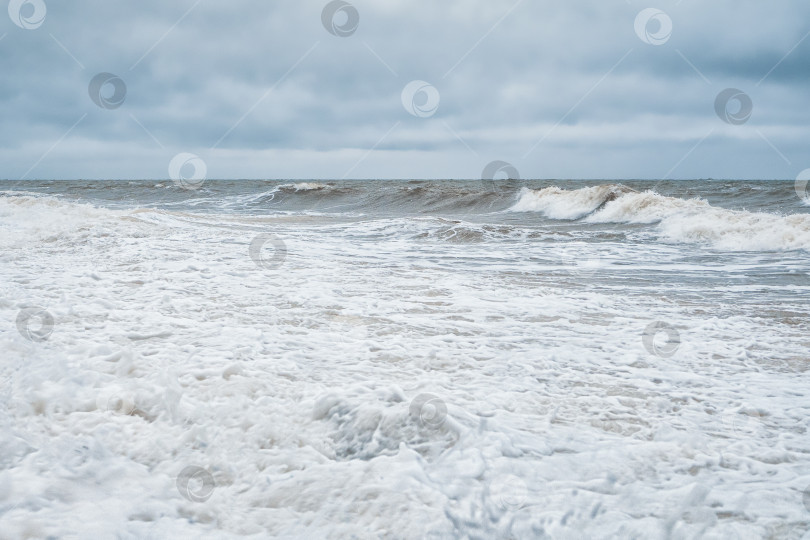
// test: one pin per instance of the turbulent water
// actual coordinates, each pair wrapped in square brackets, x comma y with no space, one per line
[404,359]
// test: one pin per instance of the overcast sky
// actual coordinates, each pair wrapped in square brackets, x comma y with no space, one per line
[279,89]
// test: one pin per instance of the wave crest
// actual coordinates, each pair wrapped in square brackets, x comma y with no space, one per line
[303,186]
[678,220]
[646,207]
[557,203]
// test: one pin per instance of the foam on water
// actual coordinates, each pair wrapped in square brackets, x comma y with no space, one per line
[410,376]
[558,203]
[679,220]
[305,186]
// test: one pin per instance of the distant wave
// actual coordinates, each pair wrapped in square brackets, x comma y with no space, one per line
[304,186]
[678,220]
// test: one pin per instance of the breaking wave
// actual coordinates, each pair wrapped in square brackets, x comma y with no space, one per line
[677,220]
[557,203]
[594,208]
[304,186]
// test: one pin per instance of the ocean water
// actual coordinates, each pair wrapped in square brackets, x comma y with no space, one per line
[404,359]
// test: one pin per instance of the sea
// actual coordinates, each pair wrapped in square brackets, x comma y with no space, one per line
[403,359]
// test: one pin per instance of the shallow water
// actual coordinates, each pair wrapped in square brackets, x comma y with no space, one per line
[405,359]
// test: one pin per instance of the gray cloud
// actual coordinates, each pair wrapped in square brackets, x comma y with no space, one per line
[279,96]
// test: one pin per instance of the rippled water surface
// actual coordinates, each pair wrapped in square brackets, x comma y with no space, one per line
[400,359]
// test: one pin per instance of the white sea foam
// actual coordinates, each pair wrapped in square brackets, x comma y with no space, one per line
[383,384]
[306,186]
[677,220]
[558,203]
[26,218]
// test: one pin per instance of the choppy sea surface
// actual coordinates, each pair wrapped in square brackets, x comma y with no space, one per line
[404,359]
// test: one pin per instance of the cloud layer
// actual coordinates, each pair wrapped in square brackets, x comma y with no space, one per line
[267,90]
